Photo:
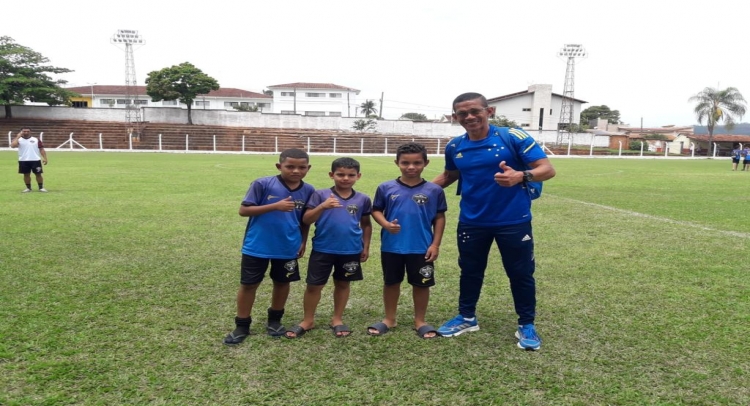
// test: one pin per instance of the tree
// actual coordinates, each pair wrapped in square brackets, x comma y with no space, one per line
[596,112]
[368,108]
[246,107]
[184,82]
[503,121]
[364,125]
[718,105]
[24,76]
[414,116]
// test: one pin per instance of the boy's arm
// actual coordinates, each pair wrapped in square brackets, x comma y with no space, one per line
[305,230]
[366,225]
[252,211]
[312,215]
[392,226]
[438,227]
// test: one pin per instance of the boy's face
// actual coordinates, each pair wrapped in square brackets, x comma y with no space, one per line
[293,169]
[411,165]
[345,178]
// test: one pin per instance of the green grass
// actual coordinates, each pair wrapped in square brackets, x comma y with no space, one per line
[118,285]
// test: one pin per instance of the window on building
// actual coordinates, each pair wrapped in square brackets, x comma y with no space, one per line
[287,93]
[334,95]
[264,105]
[315,113]
[140,101]
[525,125]
[202,103]
[123,101]
[80,104]
[526,109]
[287,112]
[229,105]
[334,113]
[315,94]
[106,102]
[169,102]
[550,112]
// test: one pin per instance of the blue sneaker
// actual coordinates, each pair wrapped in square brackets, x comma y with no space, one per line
[527,338]
[457,326]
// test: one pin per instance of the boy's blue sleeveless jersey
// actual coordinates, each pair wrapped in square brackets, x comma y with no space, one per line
[415,208]
[337,230]
[483,201]
[275,234]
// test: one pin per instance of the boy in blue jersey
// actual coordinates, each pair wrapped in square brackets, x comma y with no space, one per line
[411,212]
[495,207]
[341,243]
[274,234]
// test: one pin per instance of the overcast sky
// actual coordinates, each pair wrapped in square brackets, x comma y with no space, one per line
[646,57]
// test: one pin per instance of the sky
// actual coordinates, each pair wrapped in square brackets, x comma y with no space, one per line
[646,58]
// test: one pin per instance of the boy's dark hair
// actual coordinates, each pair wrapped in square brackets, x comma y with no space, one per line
[411,148]
[469,96]
[346,163]
[293,153]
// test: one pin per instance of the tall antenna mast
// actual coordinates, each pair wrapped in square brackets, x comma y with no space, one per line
[570,51]
[128,38]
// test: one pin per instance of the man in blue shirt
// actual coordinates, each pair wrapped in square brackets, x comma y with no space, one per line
[495,206]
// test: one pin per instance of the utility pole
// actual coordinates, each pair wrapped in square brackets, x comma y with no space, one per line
[381,105]
[348,106]
[295,99]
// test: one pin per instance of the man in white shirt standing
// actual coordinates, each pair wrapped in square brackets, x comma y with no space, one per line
[31,157]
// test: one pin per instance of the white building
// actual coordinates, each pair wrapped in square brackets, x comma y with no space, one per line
[536,108]
[105,96]
[315,99]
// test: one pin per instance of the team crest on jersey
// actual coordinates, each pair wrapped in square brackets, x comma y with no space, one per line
[299,204]
[419,198]
[350,268]
[352,209]
[426,272]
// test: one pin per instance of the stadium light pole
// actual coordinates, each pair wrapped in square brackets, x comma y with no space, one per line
[571,52]
[128,38]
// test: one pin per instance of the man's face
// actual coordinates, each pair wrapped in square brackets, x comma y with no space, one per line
[25,133]
[472,115]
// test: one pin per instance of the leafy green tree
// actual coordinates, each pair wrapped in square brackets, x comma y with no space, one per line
[368,108]
[246,107]
[502,121]
[24,75]
[364,125]
[714,105]
[414,116]
[596,112]
[183,82]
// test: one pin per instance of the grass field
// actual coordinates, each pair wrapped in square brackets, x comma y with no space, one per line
[118,286]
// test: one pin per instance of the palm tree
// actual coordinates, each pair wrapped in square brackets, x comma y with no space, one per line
[368,108]
[716,105]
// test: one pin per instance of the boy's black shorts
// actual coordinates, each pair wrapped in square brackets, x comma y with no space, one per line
[253,269]
[30,166]
[418,271]
[346,267]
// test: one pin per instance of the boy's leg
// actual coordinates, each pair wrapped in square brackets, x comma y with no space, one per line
[421,296]
[309,305]
[341,291]
[246,299]
[283,272]
[391,294]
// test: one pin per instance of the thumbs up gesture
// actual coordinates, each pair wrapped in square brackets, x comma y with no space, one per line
[393,227]
[508,176]
[332,202]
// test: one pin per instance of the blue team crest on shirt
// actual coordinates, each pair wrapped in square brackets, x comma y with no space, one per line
[352,209]
[420,198]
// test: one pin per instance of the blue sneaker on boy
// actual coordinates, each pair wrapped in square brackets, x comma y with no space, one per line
[457,326]
[527,338]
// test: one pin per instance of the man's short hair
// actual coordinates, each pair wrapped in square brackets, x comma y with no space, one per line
[346,163]
[411,148]
[293,153]
[469,96]
[26,128]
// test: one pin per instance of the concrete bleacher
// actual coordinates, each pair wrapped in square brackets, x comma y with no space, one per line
[115,135]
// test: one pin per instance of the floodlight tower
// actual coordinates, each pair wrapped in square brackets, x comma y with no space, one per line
[128,38]
[570,51]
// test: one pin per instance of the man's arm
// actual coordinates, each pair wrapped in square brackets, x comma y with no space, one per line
[541,169]
[446,178]
[44,155]
[14,143]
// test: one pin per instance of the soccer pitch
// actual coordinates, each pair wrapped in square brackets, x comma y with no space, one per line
[118,286]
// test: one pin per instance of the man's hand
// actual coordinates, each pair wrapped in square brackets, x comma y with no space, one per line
[508,176]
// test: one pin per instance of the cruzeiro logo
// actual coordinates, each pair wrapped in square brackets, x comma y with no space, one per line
[352,209]
[299,204]
[419,198]
[350,268]
[291,267]
[426,272]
